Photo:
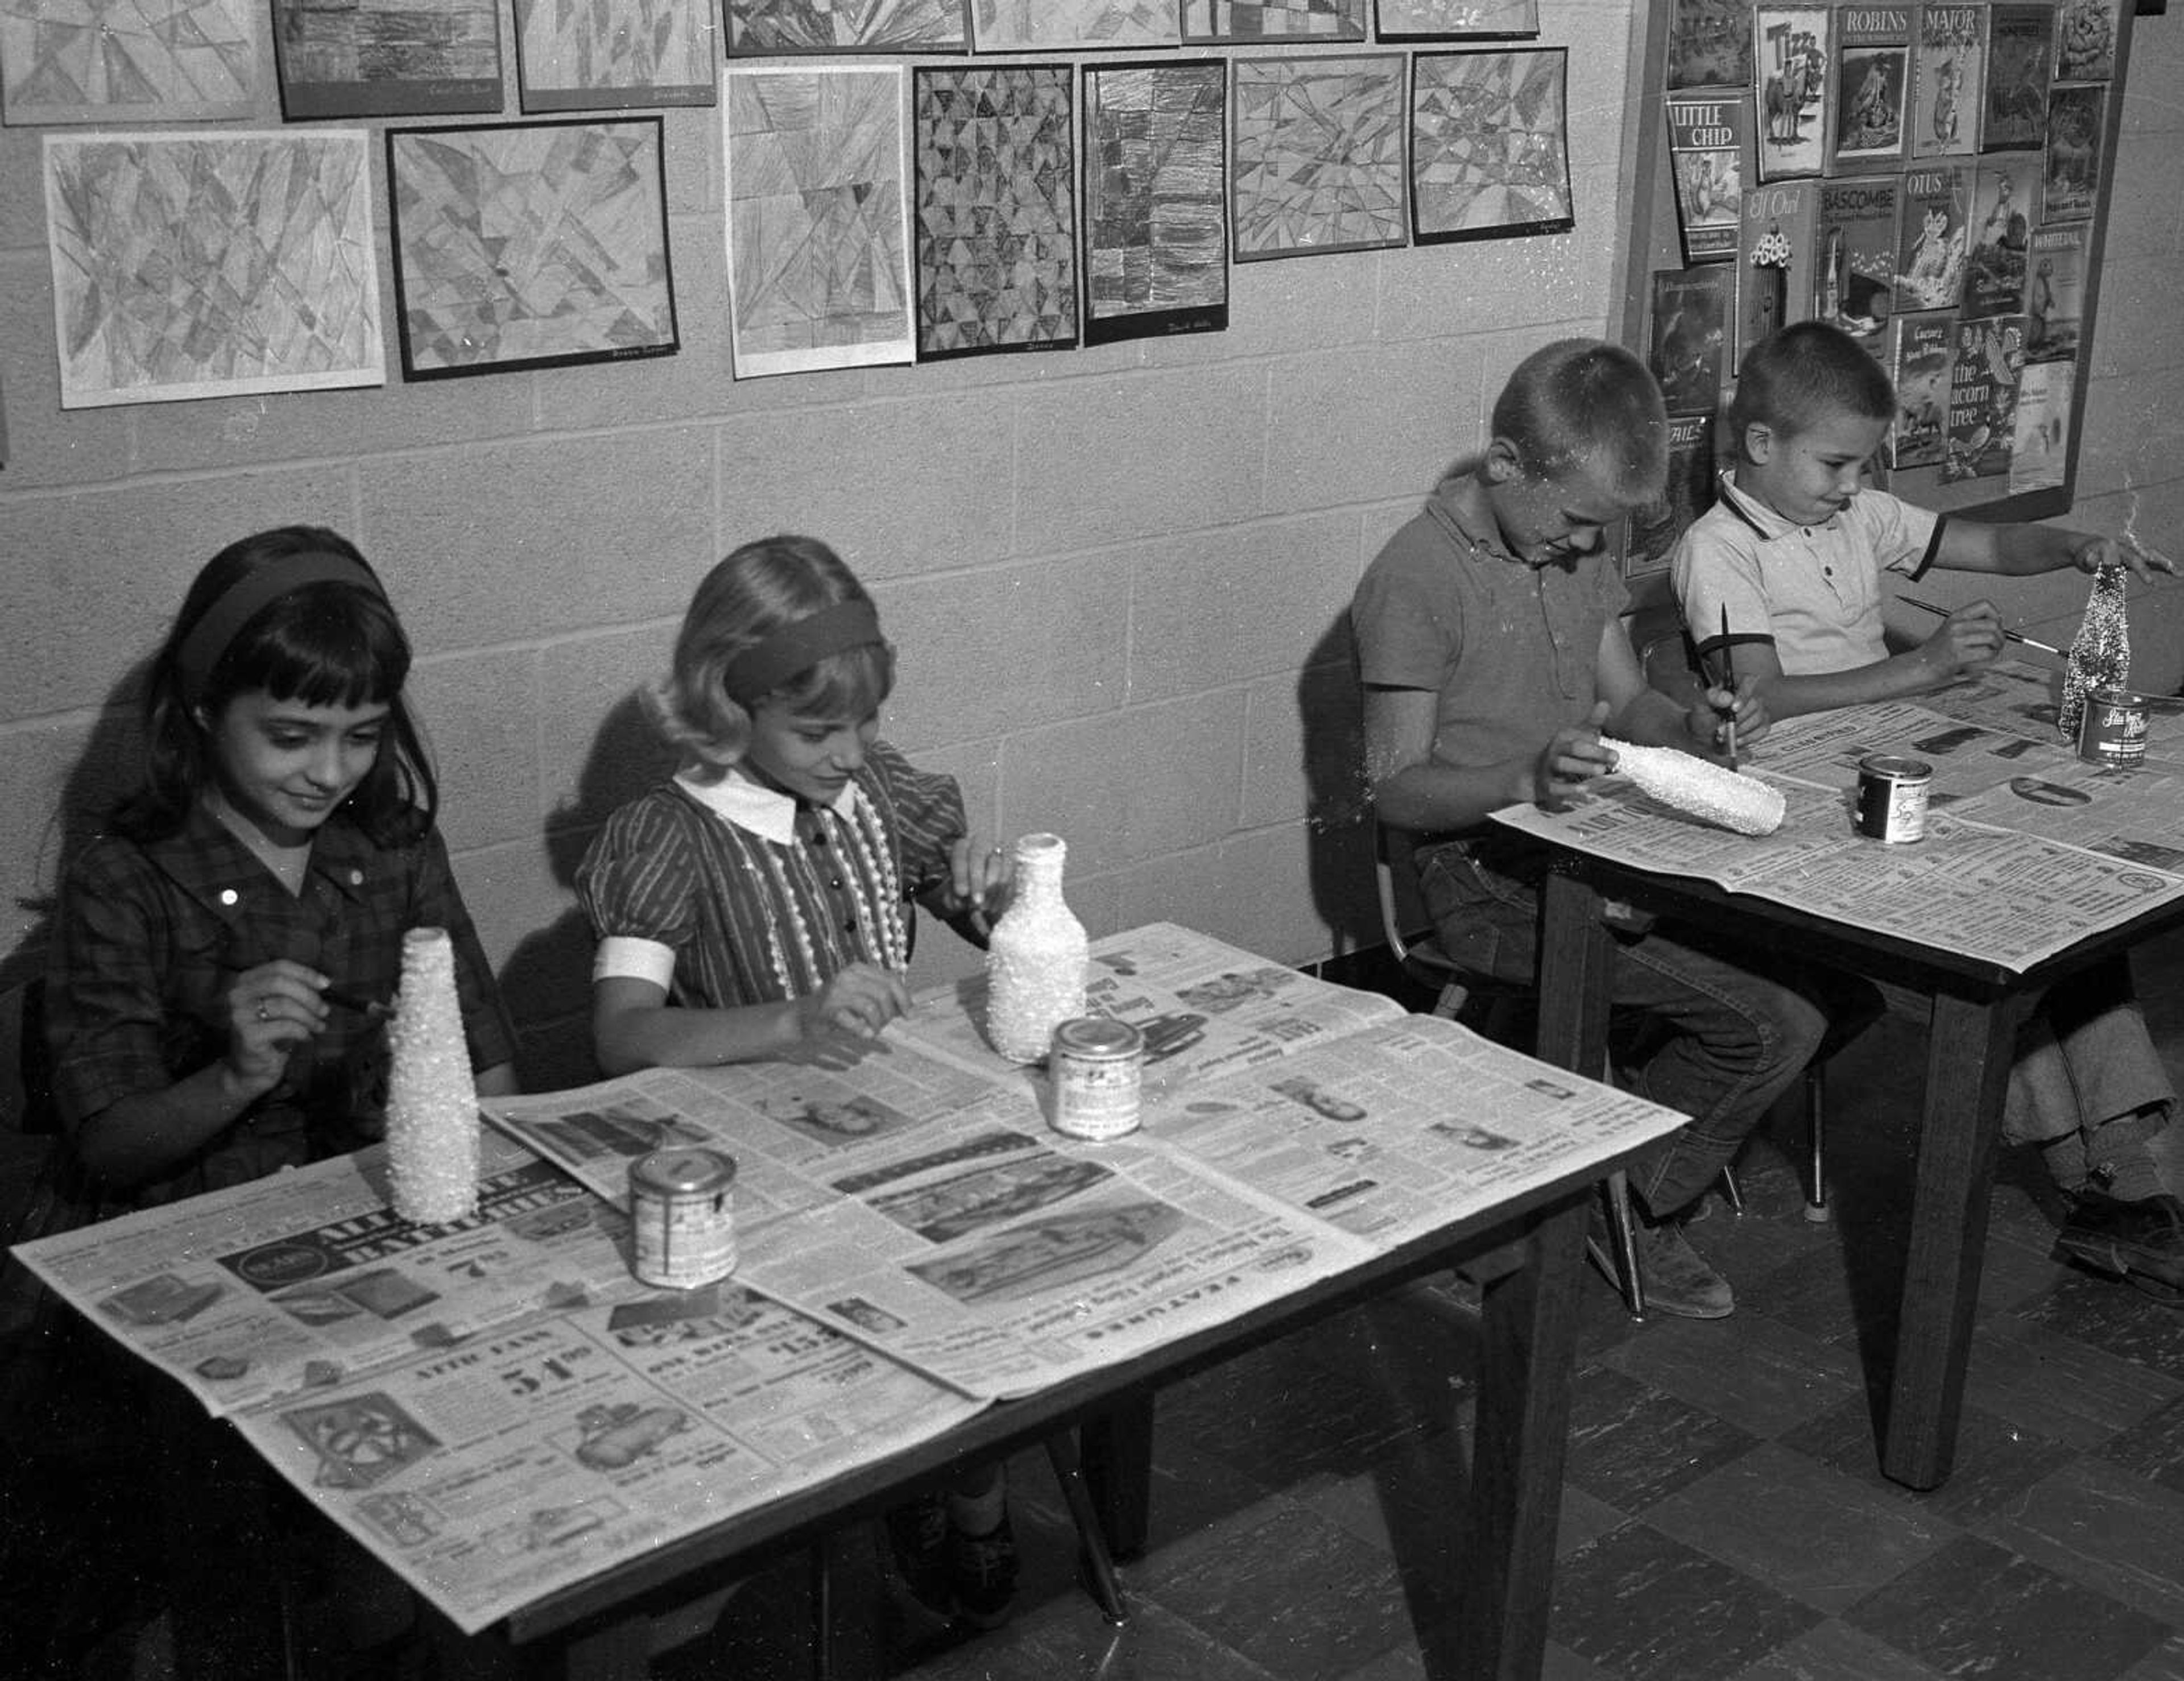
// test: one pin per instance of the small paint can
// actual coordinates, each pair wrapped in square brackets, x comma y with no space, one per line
[2112,729]
[682,1217]
[1094,1065]
[1891,797]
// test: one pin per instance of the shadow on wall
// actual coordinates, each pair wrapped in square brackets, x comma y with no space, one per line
[1337,830]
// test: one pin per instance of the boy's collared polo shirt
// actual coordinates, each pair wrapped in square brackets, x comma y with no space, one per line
[1812,591]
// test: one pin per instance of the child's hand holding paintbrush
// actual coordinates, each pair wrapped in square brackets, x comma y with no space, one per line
[1733,709]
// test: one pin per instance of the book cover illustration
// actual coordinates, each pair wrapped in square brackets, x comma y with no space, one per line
[1948,81]
[1710,44]
[2005,209]
[2085,33]
[2054,290]
[1983,397]
[1687,336]
[1855,274]
[1790,60]
[1707,144]
[1775,256]
[1872,78]
[1656,528]
[2020,61]
[2077,118]
[1930,250]
[1925,348]
[2039,453]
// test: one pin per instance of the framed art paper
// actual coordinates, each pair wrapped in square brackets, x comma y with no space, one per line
[1317,157]
[1210,23]
[1446,19]
[386,58]
[1156,199]
[757,28]
[530,245]
[122,61]
[611,57]
[1071,25]
[1489,145]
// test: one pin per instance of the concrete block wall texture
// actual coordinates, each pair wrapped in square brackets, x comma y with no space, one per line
[1117,577]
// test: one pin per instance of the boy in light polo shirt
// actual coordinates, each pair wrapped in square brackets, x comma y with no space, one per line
[1791,561]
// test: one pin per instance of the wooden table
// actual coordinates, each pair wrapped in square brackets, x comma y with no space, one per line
[1972,1008]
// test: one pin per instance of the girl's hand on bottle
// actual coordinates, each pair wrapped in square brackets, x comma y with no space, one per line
[980,877]
[270,1011]
[861,1000]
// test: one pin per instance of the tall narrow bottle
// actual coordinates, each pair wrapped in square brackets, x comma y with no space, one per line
[431,1099]
[1035,961]
[2100,656]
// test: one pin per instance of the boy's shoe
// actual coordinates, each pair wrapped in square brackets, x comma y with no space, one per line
[918,1542]
[982,1569]
[1678,1280]
[2141,1240]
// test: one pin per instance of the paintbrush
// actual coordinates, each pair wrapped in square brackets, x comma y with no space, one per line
[1729,683]
[2018,637]
[340,998]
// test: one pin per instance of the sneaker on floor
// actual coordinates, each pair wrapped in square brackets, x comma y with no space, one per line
[2139,1240]
[983,1571]
[918,1542]
[1678,1280]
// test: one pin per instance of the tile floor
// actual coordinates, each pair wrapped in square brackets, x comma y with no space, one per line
[1724,1519]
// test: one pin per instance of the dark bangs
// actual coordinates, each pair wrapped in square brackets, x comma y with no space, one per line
[327,644]
[854,683]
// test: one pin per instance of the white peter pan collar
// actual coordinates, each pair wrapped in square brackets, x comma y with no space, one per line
[768,813]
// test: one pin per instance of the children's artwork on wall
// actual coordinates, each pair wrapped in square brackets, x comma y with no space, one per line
[1215,22]
[108,61]
[1156,199]
[1072,26]
[818,223]
[757,27]
[2077,118]
[211,264]
[530,245]
[1317,157]
[1489,145]
[374,58]
[995,225]
[609,58]
[1446,19]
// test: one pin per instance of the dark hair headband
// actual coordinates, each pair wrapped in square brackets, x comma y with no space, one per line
[220,624]
[765,665]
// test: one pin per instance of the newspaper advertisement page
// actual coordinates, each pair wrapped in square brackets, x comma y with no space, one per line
[1615,819]
[1394,1130]
[2135,813]
[296,1281]
[2010,697]
[490,1475]
[1966,756]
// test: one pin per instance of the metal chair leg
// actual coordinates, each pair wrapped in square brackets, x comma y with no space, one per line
[1731,1192]
[1816,1196]
[1069,1471]
[1622,1260]
[823,1611]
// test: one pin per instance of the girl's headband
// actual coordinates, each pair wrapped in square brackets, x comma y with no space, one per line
[220,624]
[765,665]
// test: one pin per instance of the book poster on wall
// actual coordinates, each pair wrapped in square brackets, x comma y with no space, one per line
[1872,81]
[2020,62]
[1269,23]
[1450,20]
[1156,199]
[1791,54]
[370,59]
[1854,279]
[1687,335]
[1983,397]
[817,172]
[1948,81]
[2039,448]
[591,58]
[530,245]
[1708,139]
[124,61]
[1923,349]
[2054,290]
[760,27]
[2070,181]
[2005,209]
[1654,529]
[1934,232]
[1072,26]
[2086,35]
[1709,44]
[149,234]
[1489,145]
[1317,155]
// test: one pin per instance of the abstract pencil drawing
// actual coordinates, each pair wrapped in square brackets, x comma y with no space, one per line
[211,264]
[818,223]
[388,58]
[576,56]
[1439,19]
[1318,155]
[530,245]
[1156,200]
[996,214]
[103,61]
[1208,21]
[1489,150]
[1061,25]
[760,26]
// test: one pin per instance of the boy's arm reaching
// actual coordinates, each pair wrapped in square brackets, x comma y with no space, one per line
[2022,551]
[1967,639]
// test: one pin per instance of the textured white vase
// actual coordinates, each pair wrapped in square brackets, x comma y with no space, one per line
[1036,959]
[2100,655]
[431,1101]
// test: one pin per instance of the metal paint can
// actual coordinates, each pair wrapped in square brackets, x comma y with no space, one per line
[1095,1066]
[2112,729]
[682,1217]
[1891,797]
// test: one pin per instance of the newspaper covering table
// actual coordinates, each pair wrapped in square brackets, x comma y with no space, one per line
[2028,848]
[498,1410]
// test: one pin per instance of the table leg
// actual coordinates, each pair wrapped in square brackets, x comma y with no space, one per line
[1115,1449]
[1968,1057]
[1505,1551]
[1574,965]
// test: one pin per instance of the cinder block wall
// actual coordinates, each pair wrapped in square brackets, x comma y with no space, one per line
[1117,577]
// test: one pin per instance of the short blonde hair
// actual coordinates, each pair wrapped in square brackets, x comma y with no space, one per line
[1584,403]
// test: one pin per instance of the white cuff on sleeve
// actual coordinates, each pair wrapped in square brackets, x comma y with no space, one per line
[626,957]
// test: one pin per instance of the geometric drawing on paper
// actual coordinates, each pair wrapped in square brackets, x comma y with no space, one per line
[1438,19]
[211,264]
[1156,200]
[597,57]
[996,224]
[1222,20]
[1059,25]
[388,58]
[97,61]
[1319,156]
[530,245]
[818,247]
[1489,153]
[757,26]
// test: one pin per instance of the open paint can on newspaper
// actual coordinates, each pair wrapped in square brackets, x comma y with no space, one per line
[1891,797]
[2112,729]
[682,1217]
[1095,1067]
